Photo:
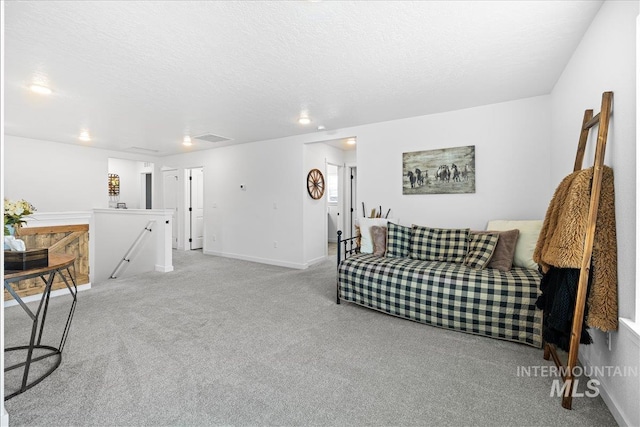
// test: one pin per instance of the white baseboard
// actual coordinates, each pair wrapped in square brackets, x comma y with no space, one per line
[258,260]
[164,268]
[37,297]
[4,421]
[316,261]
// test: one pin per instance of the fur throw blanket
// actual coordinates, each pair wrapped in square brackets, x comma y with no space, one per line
[561,241]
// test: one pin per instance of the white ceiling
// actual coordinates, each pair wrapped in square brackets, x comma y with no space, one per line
[143,73]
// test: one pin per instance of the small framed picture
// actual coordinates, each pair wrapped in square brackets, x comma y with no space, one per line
[121,205]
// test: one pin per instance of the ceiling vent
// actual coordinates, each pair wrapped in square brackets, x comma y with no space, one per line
[209,137]
[142,150]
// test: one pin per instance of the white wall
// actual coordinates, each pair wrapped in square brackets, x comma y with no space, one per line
[57,177]
[247,223]
[512,164]
[605,60]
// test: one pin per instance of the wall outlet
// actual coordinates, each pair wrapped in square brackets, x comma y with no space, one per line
[213,238]
[275,244]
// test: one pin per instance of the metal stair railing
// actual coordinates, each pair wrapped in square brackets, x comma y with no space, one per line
[126,260]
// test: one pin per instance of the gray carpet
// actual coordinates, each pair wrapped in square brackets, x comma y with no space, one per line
[228,342]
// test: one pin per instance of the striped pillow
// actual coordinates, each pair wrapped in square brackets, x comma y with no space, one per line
[439,244]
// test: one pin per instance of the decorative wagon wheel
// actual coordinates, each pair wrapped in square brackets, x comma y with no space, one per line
[315,184]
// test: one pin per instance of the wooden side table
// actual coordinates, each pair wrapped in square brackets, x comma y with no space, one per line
[58,264]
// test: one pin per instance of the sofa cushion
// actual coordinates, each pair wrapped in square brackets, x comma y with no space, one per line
[502,258]
[379,236]
[365,224]
[481,248]
[439,244]
[398,241]
[527,239]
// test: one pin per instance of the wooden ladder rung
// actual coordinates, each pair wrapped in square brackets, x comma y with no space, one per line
[592,122]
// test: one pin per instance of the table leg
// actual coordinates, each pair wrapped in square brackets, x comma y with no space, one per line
[34,329]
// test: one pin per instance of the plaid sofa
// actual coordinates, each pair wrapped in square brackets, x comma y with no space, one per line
[450,295]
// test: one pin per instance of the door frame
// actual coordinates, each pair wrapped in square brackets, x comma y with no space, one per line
[350,199]
[186,223]
[340,204]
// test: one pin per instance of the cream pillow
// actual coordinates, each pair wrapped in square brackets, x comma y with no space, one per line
[527,239]
[366,239]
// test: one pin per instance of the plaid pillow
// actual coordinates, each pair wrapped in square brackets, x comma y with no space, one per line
[439,244]
[398,240]
[481,250]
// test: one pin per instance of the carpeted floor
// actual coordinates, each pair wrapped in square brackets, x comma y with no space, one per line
[228,342]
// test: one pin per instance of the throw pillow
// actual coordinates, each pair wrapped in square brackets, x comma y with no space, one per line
[398,240]
[365,224]
[439,244]
[527,239]
[481,248]
[379,235]
[502,258]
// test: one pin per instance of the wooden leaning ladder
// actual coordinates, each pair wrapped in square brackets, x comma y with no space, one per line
[602,120]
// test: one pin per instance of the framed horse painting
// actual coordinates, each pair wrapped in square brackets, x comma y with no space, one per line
[441,171]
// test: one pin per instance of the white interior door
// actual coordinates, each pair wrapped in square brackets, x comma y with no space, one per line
[196,208]
[170,198]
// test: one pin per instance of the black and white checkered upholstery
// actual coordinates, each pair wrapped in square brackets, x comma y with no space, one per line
[481,248]
[398,240]
[486,302]
[439,244]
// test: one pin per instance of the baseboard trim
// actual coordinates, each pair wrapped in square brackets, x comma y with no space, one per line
[164,268]
[4,421]
[258,260]
[316,261]
[38,297]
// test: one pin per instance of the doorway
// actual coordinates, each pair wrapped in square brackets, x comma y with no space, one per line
[146,191]
[352,201]
[196,208]
[333,202]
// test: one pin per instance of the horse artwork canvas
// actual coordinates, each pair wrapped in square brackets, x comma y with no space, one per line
[441,171]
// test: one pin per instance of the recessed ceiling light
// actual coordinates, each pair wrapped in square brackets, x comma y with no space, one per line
[84,136]
[39,89]
[186,141]
[351,141]
[304,120]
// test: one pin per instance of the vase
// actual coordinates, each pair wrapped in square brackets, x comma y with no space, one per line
[12,232]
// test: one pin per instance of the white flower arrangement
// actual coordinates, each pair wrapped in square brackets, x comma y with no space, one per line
[15,212]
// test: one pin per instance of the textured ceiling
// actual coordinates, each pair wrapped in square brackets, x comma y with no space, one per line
[143,74]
